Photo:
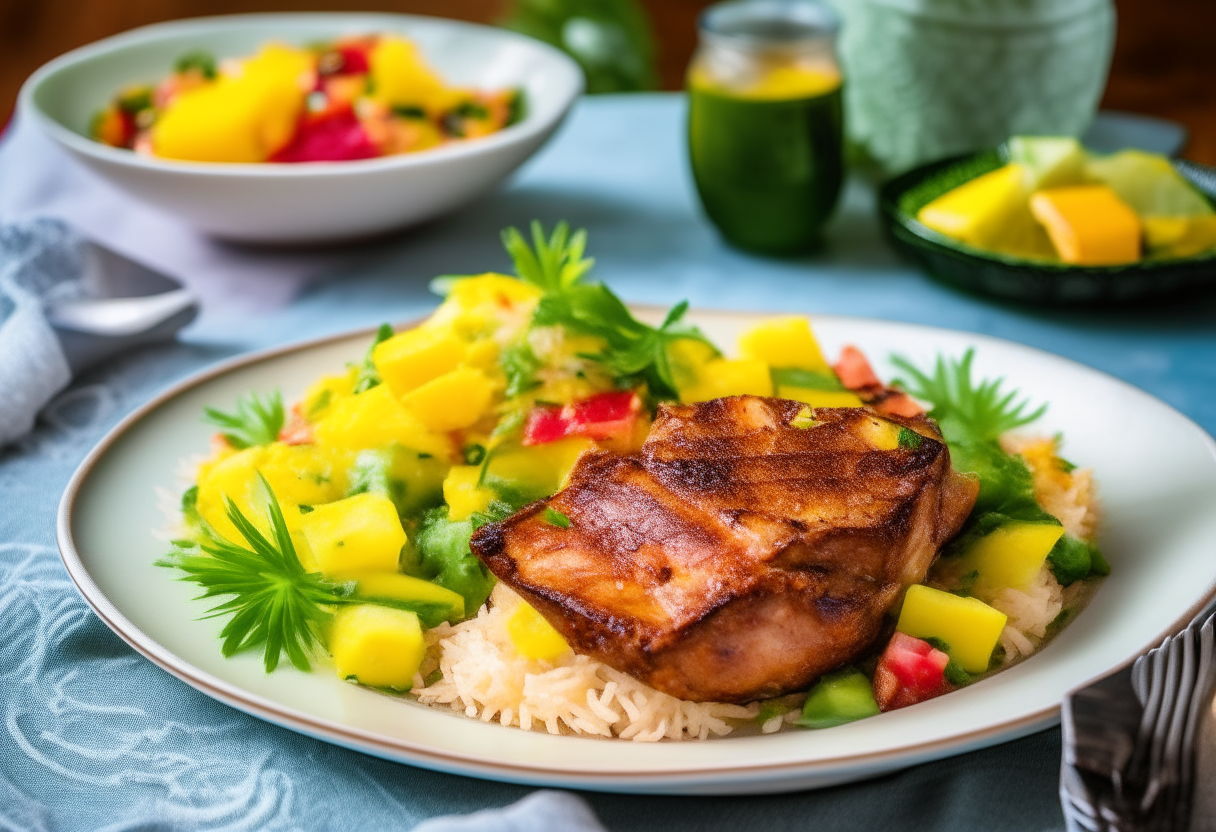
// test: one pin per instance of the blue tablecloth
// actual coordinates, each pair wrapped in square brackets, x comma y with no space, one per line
[95,737]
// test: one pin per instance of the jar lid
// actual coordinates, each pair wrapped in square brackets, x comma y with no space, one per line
[764,24]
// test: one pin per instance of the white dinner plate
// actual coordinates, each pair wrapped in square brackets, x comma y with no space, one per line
[1156,470]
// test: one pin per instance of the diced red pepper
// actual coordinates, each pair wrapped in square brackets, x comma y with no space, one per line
[855,373]
[601,416]
[911,670]
[298,430]
[336,137]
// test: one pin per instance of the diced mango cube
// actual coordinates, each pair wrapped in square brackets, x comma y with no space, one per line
[1010,556]
[453,400]
[784,342]
[377,646]
[462,493]
[304,474]
[975,212]
[729,377]
[533,636]
[376,419]
[323,393]
[880,434]
[357,533]
[400,77]
[245,118]
[538,470]
[1088,224]
[388,588]
[819,398]
[969,627]
[410,359]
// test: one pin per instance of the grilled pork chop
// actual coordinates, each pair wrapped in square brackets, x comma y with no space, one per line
[736,556]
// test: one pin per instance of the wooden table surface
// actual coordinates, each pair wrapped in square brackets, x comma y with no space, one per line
[1164,63]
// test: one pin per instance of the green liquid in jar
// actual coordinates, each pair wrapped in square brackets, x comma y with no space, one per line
[768,170]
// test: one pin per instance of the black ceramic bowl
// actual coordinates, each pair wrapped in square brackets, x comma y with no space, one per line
[1029,281]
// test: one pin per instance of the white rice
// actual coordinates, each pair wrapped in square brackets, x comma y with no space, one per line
[1072,498]
[484,678]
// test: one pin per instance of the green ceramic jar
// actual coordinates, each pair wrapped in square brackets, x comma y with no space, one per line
[936,78]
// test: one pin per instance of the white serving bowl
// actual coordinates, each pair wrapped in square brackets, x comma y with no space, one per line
[315,201]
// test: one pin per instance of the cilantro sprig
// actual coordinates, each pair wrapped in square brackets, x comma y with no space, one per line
[635,352]
[256,420]
[275,604]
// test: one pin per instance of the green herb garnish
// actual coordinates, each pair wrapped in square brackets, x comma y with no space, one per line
[368,376]
[910,439]
[634,351]
[275,602]
[200,60]
[807,379]
[257,421]
[555,518]
[804,419]
[967,412]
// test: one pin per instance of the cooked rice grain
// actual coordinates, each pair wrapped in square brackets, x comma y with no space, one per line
[485,678]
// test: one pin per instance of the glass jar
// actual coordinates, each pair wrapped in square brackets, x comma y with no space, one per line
[765,123]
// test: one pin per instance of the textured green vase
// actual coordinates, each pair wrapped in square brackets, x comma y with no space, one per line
[928,79]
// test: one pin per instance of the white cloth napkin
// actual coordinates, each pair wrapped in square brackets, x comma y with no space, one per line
[41,261]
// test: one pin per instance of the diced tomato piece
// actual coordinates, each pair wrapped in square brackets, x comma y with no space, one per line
[854,370]
[545,424]
[605,414]
[298,430]
[899,404]
[601,416]
[911,670]
[336,137]
[354,60]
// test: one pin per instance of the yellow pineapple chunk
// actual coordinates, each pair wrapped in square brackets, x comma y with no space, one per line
[376,419]
[543,469]
[360,532]
[533,636]
[969,627]
[453,400]
[879,433]
[1010,556]
[412,358]
[377,646]
[978,211]
[784,342]
[390,587]
[462,493]
[729,377]
[819,398]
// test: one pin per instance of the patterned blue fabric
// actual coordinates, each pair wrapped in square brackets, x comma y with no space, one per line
[95,737]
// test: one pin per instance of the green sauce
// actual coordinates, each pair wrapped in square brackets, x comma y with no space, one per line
[769,171]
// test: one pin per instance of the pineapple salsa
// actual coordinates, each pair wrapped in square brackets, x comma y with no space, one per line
[353,98]
[338,530]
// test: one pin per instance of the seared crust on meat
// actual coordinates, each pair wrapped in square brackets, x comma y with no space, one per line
[735,556]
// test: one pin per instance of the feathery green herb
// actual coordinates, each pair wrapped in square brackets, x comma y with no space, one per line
[967,412]
[256,421]
[635,352]
[369,376]
[274,602]
[555,518]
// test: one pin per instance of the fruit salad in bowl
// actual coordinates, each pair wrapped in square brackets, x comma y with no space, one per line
[400,118]
[357,97]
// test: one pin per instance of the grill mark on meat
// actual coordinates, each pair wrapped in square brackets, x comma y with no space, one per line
[734,556]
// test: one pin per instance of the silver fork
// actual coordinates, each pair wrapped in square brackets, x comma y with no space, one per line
[1129,739]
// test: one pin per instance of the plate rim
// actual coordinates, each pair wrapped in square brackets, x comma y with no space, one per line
[485,767]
